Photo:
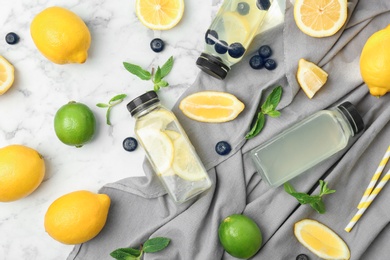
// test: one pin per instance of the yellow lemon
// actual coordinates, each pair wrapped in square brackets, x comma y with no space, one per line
[60,35]
[77,217]
[321,240]
[211,106]
[21,171]
[7,75]
[375,62]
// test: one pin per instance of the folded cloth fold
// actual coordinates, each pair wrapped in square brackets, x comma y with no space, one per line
[141,209]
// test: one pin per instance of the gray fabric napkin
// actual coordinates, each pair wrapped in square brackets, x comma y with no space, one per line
[141,209]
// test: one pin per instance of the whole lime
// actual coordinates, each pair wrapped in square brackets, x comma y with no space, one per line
[74,124]
[240,236]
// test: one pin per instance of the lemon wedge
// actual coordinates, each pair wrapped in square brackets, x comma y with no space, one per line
[185,164]
[321,240]
[159,147]
[6,75]
[310,77]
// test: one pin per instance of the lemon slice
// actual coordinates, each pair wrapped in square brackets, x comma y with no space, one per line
[320,18]
[173,135]
[237,28]
[6,75]
[157,120]
[160,14]
[185,164]
[211,106]
[159,148]
[310,77]
[321,240]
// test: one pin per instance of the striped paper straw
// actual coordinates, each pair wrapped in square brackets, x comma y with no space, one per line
[368,202]
[375,178]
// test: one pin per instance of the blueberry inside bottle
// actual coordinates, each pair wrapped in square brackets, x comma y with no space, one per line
[230,34]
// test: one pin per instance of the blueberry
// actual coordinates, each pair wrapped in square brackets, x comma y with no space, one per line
[265,51]
[157,45]
[256,62]
[302,257]
[223,148]
[236,50]
[243,8]
[130,144]
[263,4]
[270,64]
[221,47]
[209,35]
[12,38]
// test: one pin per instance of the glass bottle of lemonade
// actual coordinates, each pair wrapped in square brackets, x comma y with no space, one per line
[230,34]
[168,148]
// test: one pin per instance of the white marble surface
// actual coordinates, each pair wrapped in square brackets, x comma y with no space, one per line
[27,110]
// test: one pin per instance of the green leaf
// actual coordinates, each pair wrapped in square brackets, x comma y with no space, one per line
[324,188]
[157,76]
[163,84]
[155,244]
[274,113]
[138,71]
[289,188]
[102,105]
[167,67]
[319,207]
[118,97]
[272,100]
[156,87]
[126,254]
[257,127]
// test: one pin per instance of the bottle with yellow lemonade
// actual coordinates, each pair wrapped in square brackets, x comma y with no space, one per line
[168,148]
[230,34]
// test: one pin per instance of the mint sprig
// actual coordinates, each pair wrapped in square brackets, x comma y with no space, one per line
[157,78]
[315,201]
[268,108]
[152,245]
[113,102]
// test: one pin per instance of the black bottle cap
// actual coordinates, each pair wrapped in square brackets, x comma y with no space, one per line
[212,65]
[142,102]
[353,116]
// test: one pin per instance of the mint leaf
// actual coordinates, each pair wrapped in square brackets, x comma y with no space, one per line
[113,102]
[138,71]
[167,67]
[157,76]
[126,254]
[315,201]
[102,105]
[163,84]
[119,97]
[155,244]
[268,108]
[257,127]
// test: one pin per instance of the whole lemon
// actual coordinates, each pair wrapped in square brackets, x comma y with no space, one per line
[21,171]
[77,217]
[74,124]
[61,36]
[240,236]
[375,62]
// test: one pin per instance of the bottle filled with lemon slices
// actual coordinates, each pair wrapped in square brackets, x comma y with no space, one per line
[168,148]
[230,34]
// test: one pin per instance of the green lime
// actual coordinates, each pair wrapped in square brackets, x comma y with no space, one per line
[240,236]
[74,124]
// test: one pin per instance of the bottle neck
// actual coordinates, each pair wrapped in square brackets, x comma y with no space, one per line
[147,109]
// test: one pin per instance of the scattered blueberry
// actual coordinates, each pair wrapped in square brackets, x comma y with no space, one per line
[130,144]
[12,38]
[221,47]
[236,50]
[157,45]
[256,62]
[223,148]
[265,51]
[263,4]
[270,64]
[209,39]
[302,257]
[243,8]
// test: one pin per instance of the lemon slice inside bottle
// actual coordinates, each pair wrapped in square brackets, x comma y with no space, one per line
[157,120]
[237,28]
[185,164]
[159,147]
